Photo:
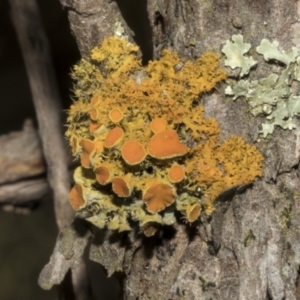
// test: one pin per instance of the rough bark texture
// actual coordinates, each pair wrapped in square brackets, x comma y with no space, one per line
[92,21]
[68,253]
[249,248]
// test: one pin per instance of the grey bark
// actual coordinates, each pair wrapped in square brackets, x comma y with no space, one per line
[250,247]
[67,254]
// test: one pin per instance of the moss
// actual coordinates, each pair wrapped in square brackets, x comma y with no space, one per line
[166,90]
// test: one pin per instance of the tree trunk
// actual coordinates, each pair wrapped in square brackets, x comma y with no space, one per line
[250,247]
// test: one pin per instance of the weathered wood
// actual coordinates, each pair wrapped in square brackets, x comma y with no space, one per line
[23,170]
[24,191]
[21,155]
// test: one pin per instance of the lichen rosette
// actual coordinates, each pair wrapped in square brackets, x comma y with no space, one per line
[144,143]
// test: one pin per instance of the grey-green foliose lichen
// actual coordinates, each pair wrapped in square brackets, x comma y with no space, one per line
[270,96]
[235,51]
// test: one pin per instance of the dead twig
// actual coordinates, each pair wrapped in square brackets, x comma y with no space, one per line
[23,170]
[36,53]
[24,191]
[21,155]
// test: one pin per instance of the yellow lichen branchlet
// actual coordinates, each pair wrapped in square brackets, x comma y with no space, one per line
[145,147]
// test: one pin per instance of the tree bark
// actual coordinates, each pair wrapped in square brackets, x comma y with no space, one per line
[250,247]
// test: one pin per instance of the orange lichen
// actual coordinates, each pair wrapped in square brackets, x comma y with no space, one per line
[158,124]
[94,126]
[221,166]
[120,187]
[76,198]
[176,173]
[87,148]
[149,229]
[150,224]
[158,196]
[114,137]
[87,145]
[166,144]
[133,153]
[113,48]
[103,175]
[164,149]
[95,100]
[99,146]
[115,115]
[242,162]
[193,212]
[94,114]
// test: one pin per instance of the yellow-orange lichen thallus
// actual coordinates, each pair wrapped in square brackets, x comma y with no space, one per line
[144,142]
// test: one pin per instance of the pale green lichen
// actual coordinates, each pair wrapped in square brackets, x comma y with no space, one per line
[270,51]
[119,30]
[234,51]
[272,96]
[283,115]
[297,69]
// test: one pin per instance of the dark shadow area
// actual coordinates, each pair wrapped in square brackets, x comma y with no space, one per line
[149,245]
[80,226]
[26,243]
[192,230]
[65,290]
[136,16]
[62,45]
[168,233]
[16,104]
[103,288]
[153,243]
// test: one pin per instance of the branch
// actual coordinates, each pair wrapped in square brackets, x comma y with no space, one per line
[68,253]
[36,54]
[35,50]
[21,155]
[24,191]
[22,179]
